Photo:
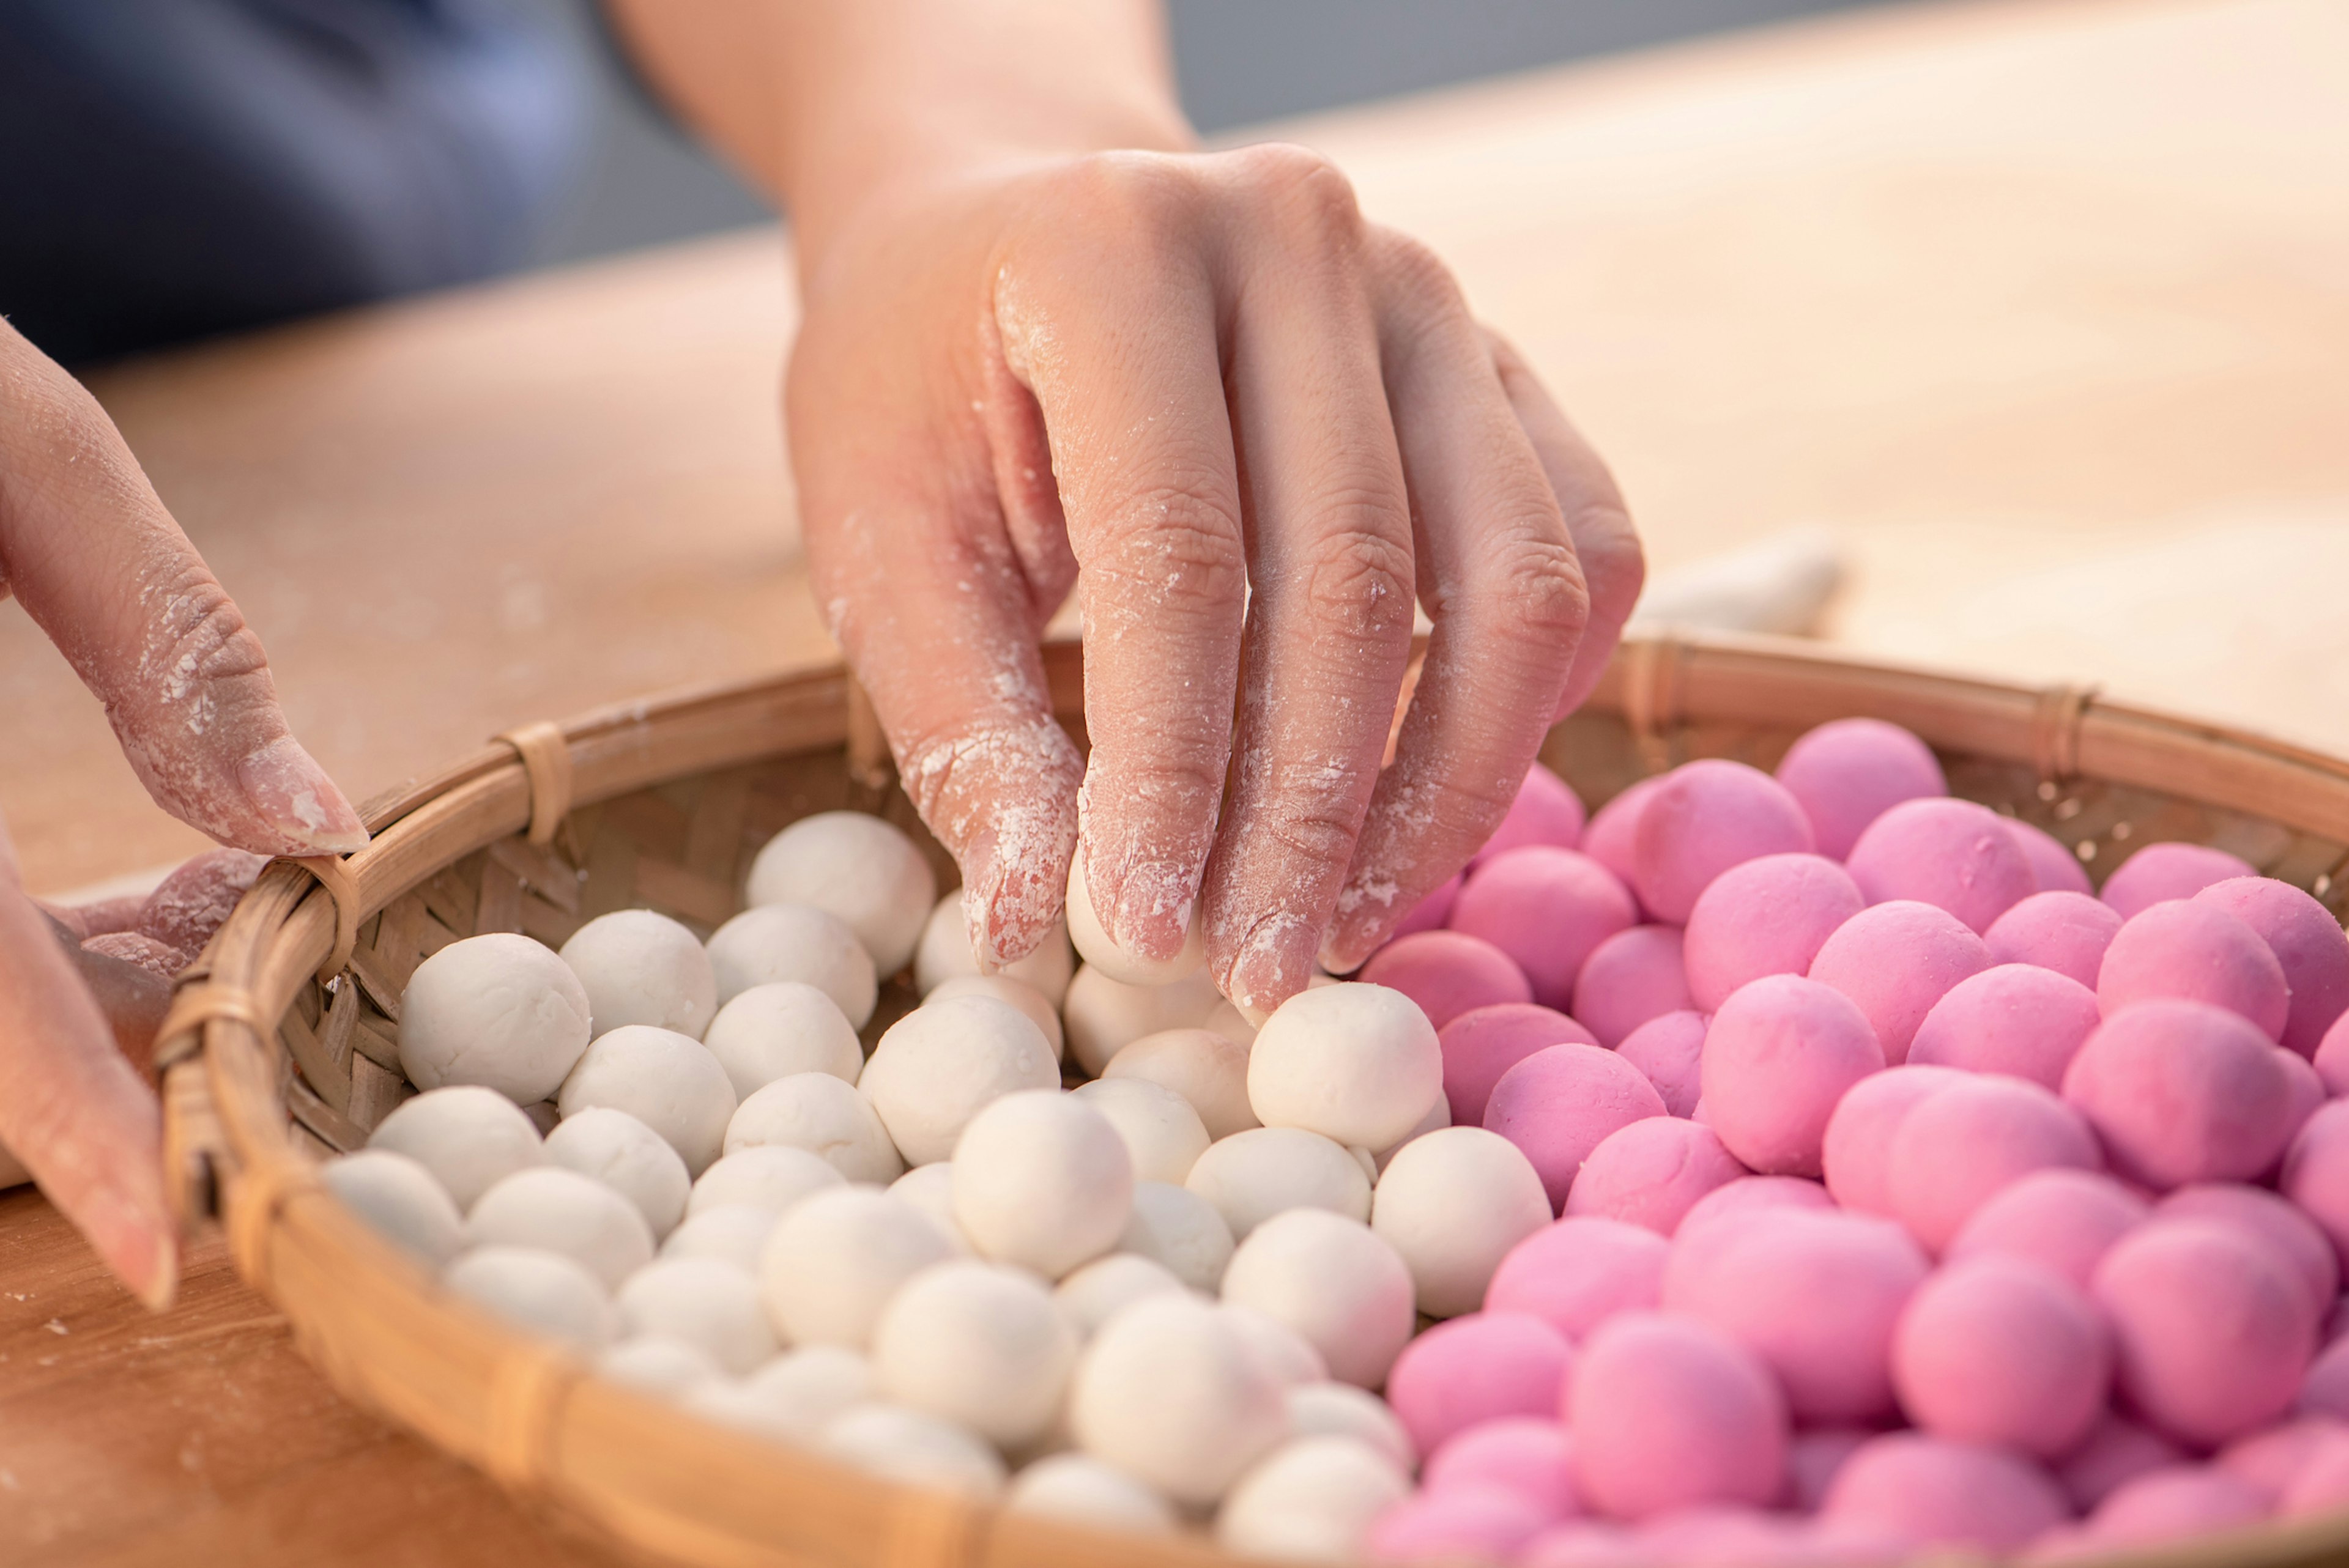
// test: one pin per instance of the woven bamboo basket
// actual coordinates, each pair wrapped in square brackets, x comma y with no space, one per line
[279,1049]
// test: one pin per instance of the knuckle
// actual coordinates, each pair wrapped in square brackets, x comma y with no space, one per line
[1177,542]
[1413,272]
[1360,575]
[204,637]
[1303,188]
[1138,196]
[1310,826]
[1613,561]
[1539,590]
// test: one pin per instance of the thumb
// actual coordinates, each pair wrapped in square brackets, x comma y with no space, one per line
[98,563]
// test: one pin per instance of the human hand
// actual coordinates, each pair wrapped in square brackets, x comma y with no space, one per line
[89,550]
[1251,427]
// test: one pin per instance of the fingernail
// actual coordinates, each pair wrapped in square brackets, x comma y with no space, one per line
[293,795]
[1274,962]
[163,1282]
[1155,909]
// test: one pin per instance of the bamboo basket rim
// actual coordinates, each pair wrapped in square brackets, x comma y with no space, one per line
[674,1486]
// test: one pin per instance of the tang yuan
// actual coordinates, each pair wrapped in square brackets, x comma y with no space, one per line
[1895,961]
[857,868]
[497,1010]
[1634,976]
[468,1137]
[823,1116]
[1356,1063]
[1170,1392]
[2159,873]
[946,953]
[1848,773]
[640,967]
[1448,972]
[775,942]
[1102,1016]
[1483,1366]
[1703,817]
[1952,854]
[1546,810]
[628,1157]
[2064,932]
[1548,909]
[1208,1068]
[1768,917]
[666,1080]
[400,1199]
[1561,1102]
[774,1030]
[1335,1282]
[1479,1046]
[938,1065]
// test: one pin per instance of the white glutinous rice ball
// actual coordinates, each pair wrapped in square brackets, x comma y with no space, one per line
[1285,1354]
[545,1292]
[701,1302]
[1095,947]
[1013,993]
[666,1080]
[669,1368]
[400,1202]
[1333,1281]
[811,1387]
[1041,1179]
[857,867]
[918,1450]
[793,942]
[1453,1202]
[626,1156]
[1162,1132]
[1311,1501]
[946,953]
[978,1343]
[1102,1016]
[1204,1068]
[734,1404]
[1438,1117]
[1356,1063]
[1081,1490]
[785,1027]
[498,1010]
[641,967]
[1251,1176]
[734,1233]
[938,1067]
[769,1176]
[832,1263]
[1342,1410]
[468,1137]
[1170,1392]
[560,1211]
[819,1113]
[1091,1295]
[1175,1226]
[930,1189]
[1232,1024]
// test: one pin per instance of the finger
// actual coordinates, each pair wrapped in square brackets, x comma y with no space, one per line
[1131,396]
[100,566]
[1330,560]
[1605,542]
[941,623]
[72,1109]
[192,903]
[1500,580]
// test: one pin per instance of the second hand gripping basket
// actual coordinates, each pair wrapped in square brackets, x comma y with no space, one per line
[280,1048]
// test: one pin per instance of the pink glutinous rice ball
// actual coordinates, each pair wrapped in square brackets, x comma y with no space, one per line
[1936,1492]
[2054,868]
[1430,913]
[2211,1325]
[1448,972]
[1895,961]
[1560,1102]
[2065,932]
[1580,1272]
[2307,1091]
[1725,1536]
[2322,1486]
[1669,1051]
[1668,1413]
[2116,1450]
[1848,773]
[1769,916]
[2282,1225]
[1530,1456]
[2306,940]
[1546,810]
[1547,908]
[1814,1458]
[1585,1544]
[1747,1196]
[2324,1389]
[2185,950]
[1999,1351]
[2183,1091]
[1777,1057]
[1651,1172]
[2174,1503]
[2060,1218]
[1633,976]
[2317,1172]
[1468,1370]
[2159,872]
[1613,833]
[1958,1147]
[2011,1018]
[2331,1058]
[1952,854]
[1471,1524]
[1815,1296]
[1855,1154]
[1706,817]
[1480,1045]
[2272,1458]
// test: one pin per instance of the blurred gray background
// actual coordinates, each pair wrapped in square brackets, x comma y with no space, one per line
[1239,60]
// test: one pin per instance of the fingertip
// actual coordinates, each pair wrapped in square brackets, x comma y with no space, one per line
[296,799]
[133,1236]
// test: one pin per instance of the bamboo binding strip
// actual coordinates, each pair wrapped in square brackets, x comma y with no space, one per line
[283,1046]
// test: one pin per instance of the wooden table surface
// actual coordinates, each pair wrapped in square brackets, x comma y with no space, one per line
[2042,307]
